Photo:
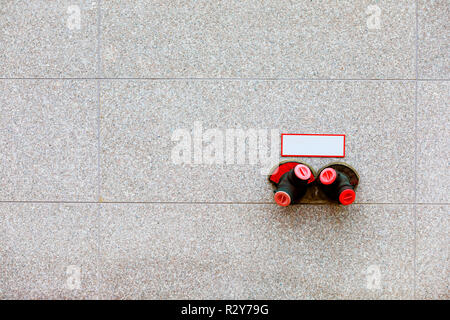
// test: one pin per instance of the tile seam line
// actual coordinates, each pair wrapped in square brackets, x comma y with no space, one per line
[415,146]
[99,184]
[218,202]
[229,79]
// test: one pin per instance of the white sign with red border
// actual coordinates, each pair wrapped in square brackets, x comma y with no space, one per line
[313,145]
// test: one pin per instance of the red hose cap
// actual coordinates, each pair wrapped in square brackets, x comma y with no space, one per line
[347,197]
[327,176]
[282,198]
[302,172]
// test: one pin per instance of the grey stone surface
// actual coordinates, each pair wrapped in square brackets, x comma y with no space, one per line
[434,30]
[139,118]
[38,39]
[300,39]
[48,138]
[433,146]
[224,238]
[433,277]
[39,244]
[194,251]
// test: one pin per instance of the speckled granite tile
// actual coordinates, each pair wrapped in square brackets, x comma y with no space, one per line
[48,138]
[434,41]
[433,147]
[433,277]
[256,251]
[43,246]
[301,39]
[41,39]
[139,119]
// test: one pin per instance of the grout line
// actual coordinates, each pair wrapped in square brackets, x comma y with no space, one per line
[98,139]
[225,79]
[415,149]
[99,75]
[210,202]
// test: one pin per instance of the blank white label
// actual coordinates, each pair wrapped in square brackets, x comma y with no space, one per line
[312,145]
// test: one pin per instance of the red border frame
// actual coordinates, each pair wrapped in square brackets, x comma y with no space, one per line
[310,134]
